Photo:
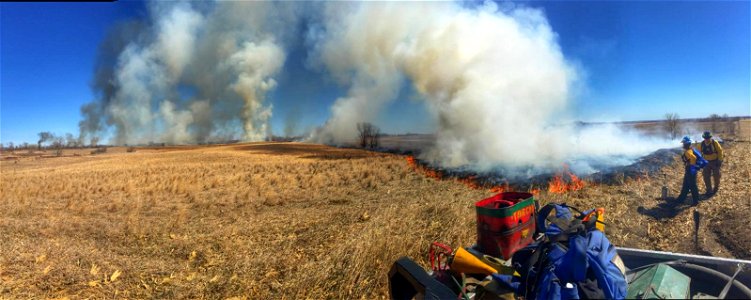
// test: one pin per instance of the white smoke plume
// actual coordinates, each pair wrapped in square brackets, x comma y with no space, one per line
[194,72]
[254,65]
[495,79]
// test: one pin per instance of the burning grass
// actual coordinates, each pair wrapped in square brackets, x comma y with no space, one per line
[559,183]
[288,220]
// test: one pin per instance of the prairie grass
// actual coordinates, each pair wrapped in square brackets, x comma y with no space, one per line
[273,220]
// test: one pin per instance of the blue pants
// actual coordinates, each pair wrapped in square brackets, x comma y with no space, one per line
[689,185]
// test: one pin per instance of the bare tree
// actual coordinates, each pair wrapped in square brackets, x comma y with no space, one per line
[672,124]
[43,137]
[58,142]
[364,130]
[94,141]
[375,135]
[369,135]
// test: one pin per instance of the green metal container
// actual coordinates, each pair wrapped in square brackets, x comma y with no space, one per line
[659,282]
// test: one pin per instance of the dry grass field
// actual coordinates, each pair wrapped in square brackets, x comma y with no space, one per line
[288,220]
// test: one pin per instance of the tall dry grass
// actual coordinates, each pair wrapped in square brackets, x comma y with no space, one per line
[263,221]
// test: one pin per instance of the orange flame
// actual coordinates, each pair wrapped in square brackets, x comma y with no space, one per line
[425,170]
[411,161]
[501,188]
[559,186]
[471,182]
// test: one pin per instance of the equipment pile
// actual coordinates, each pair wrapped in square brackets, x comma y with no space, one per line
[553,252]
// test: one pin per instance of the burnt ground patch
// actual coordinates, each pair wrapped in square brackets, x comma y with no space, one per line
[730,229]
[644,167]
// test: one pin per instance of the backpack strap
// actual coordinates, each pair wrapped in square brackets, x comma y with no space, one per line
[566,225]
[542,215]
[710,149]
[561,222]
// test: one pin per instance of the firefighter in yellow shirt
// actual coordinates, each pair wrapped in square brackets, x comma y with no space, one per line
[689,177]
[712,152]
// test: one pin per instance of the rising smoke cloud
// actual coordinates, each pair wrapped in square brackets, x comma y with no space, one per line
[192,72]
[494,78]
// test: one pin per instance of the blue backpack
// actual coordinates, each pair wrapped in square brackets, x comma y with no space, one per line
[573,260]
[700,161]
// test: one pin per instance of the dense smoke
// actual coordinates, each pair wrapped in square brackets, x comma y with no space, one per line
[495,79]
[193,72]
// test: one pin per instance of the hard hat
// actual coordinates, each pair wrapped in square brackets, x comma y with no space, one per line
[706,135]
[687,140]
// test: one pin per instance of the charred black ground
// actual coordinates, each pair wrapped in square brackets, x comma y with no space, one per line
[413,145]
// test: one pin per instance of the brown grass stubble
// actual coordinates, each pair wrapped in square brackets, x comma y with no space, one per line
[230,221]
[218,222]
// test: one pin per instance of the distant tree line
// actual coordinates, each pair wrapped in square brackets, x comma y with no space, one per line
[48,140]
[717,124]
[724,123]
[67,140]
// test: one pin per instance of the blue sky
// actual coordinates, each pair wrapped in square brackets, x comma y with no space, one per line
[640,60]
[643,58]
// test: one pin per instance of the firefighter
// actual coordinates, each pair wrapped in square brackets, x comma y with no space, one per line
[689,176]
[712,152]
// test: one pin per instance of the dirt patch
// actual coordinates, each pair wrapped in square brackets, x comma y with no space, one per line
[732,232]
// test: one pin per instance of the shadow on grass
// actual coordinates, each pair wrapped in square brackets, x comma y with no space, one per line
[697,247]
[671,208]
[668,209]
[310,151]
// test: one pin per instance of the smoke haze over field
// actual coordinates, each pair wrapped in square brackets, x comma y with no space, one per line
[493,77]
[190,74]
